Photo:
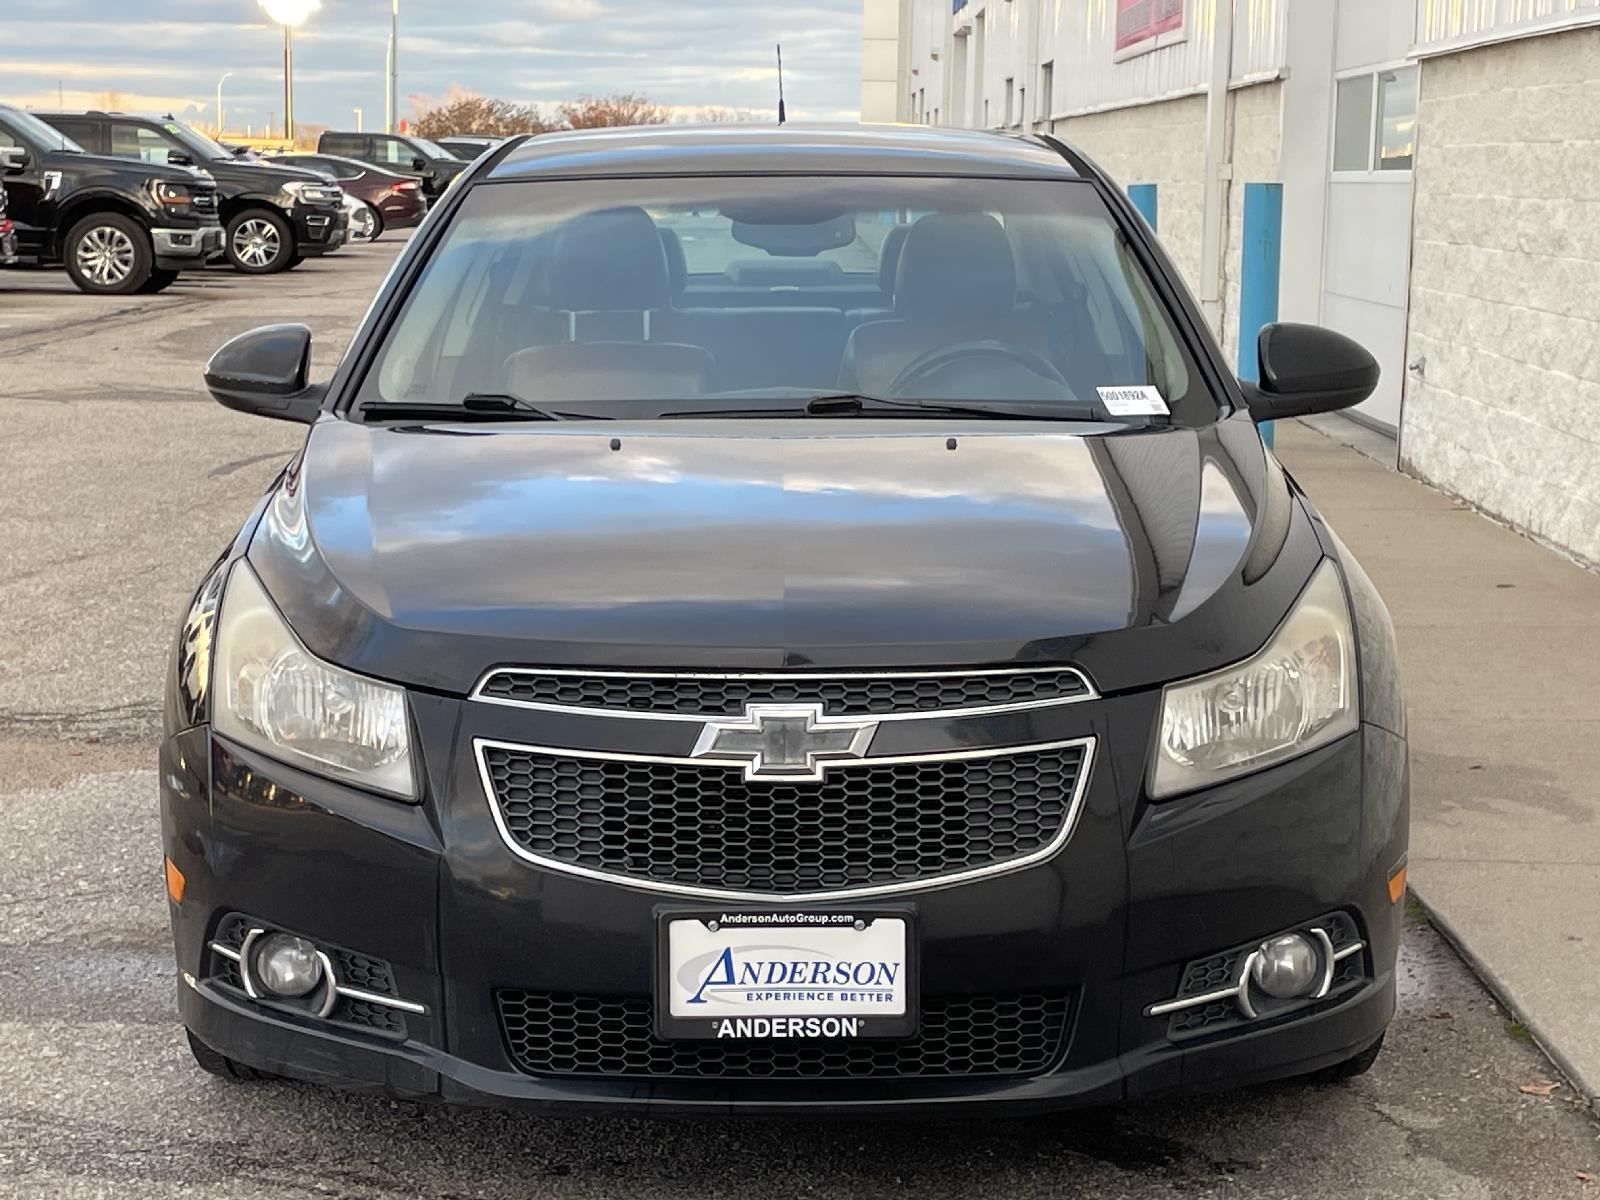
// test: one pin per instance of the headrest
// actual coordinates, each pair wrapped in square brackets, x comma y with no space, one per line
[889,258]
[612,260]
[955,264]
[677,264]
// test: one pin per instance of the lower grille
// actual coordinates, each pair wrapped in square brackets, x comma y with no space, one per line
[860,826]
[961,1036]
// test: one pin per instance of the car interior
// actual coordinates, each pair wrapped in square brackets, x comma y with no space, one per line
[625,303]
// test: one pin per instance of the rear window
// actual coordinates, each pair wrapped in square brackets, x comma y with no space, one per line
[1014,293]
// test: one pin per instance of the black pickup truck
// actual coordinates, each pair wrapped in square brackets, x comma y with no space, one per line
[118,227]
[275,217]
[405,154]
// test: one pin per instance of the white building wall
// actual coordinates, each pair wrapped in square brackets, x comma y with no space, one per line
[1505,286]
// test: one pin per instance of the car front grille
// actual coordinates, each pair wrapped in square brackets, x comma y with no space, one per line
[727,695]
[574,1035]
[861,826]
[204,201]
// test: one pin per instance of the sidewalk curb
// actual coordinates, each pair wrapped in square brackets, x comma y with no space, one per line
[1505,998]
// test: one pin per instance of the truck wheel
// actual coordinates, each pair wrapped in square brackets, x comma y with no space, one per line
[259,242]
[159,281]
[108,254]
[220,1065]
[1350,1068]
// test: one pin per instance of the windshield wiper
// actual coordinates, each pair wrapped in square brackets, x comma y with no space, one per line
[854,404]
[475,406]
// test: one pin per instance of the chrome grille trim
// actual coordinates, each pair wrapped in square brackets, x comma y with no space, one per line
[1068,825]
[1088,692]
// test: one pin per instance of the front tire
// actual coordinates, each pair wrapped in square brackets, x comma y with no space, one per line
[259,242]
[220,1065]
[159,281]
[1352,1067]
[295,261]
[108,254]
[377,225]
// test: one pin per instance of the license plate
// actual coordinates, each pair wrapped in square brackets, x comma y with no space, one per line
[786,975]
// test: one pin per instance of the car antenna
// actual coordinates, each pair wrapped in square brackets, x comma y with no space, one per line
[782,115]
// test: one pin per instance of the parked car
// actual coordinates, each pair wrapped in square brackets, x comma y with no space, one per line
[400,153]
[468,146]
[274,216]
[118,227]
[8,233]
[642,694]
[394,201]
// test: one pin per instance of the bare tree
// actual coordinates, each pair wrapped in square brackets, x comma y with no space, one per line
[718,114]
[467,113]
[619,108]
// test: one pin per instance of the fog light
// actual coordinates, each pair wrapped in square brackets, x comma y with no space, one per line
[1286,967]
[287,966]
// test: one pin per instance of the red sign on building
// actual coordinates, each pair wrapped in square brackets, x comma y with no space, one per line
[1144,21]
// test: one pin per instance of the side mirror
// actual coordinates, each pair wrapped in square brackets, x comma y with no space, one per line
[1308,369]
[419,164]
[180,158]
[264,372]
[13,160]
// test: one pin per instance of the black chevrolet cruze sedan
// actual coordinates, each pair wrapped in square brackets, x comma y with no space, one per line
[785,620]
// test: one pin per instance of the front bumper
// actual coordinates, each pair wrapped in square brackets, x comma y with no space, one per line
[8,247]
[1110,922]
[186,248]
[320,229]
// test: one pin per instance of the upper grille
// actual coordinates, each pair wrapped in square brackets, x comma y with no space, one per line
[727,695]
[861,826]
[567,1034]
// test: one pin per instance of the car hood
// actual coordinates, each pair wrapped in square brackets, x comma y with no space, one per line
[428,555]
[108,164]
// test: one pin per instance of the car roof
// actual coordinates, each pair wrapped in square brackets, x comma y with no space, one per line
[785,149]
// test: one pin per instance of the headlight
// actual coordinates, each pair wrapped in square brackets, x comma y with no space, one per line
[170,195]
[315,193]
[270,693]
[1296,694]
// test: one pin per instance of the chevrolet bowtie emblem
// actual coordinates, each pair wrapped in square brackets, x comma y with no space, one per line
[784,741]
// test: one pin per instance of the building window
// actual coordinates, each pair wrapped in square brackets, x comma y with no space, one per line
[1047,87]
[1352,124]
[1396,136]
[1022,107]
[922,105]
[1011,98]
[936,114]
[1375,122]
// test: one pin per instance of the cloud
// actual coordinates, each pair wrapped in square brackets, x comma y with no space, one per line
[169,54]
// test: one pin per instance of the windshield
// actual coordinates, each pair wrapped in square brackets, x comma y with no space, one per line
[47,136]
[736,295]
[197,142]
[432,149]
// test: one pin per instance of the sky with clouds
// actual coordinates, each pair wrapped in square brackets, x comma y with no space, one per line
[167,55]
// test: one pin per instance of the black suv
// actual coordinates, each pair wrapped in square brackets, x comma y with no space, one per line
[275,216]
[401,153]
[119,227]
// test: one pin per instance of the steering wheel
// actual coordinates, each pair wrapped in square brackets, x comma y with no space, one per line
[920,369]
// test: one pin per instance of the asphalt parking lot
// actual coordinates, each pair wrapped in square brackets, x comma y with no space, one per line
[119,481]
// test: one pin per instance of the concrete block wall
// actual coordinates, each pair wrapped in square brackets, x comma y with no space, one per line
[1505,285]
[1164,144]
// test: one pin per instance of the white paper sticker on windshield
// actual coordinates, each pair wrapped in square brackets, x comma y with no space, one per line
[1141,401]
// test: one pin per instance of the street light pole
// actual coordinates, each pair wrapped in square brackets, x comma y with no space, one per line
[220,82]
[357,111]
[288,84]
[391,96]
[289,13]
